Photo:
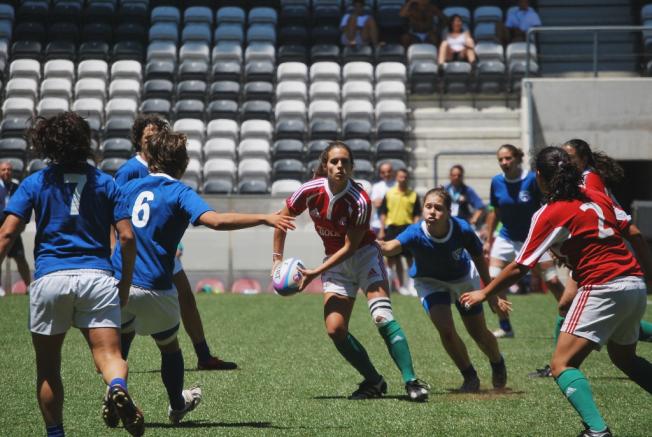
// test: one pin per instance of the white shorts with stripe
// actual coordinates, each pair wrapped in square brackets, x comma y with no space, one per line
[361,270]
[507,250]
[426,286]
[608,312]
[82,298]
[151,311]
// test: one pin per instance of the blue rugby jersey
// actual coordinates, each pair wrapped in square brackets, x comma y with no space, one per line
[446,258]
[134,168]
[517,200]
[161,209]
[74,211]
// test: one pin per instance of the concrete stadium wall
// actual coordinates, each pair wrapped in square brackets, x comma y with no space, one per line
[612,114]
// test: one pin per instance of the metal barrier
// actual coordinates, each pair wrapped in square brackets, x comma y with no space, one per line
[594,30]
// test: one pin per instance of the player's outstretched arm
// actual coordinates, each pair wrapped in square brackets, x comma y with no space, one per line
[231,221]
[508,276]
[497,304]
[279,241]
[128,253]
[11,228]
[351,243]
[390,248]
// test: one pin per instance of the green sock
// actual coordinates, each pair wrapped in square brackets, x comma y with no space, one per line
[356,355]
[576,388]
[558,323]
[398,348]
[645,334]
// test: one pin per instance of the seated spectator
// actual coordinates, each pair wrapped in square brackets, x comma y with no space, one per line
[458,44]
[465,202]
[519,20]
[358,28]
[424,20]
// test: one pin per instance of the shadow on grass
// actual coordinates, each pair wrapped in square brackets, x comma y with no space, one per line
[346,398]
[207,424]
[488,394]
[185,370]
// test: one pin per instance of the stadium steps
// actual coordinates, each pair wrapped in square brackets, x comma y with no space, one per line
[435,131]
[570,54]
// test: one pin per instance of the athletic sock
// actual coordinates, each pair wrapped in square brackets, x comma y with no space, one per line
[119,382]
[497,366]
[558,323]
[202,351]
[55,431]
[505,325]
[469,372]
[398,348]
[576,388]
[172,376]
[356,355]
[645,333]
[125,344]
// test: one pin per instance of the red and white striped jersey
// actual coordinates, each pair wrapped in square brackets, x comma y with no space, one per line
[333,214]
[586,235]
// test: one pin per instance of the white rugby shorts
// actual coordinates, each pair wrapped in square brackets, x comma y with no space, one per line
[507,250]
[361,270]
[82,298]
[152,311]
[608,312]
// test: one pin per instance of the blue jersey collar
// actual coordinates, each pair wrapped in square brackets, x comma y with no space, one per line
[424,228]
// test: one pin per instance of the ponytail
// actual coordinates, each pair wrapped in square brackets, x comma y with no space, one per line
[562,177]
[607,168]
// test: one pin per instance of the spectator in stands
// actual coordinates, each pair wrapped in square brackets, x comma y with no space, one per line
[519,20]
[378,191]
[400,208]
[424,22]
[465,202]
[358,27]
[8,187]
[458,44]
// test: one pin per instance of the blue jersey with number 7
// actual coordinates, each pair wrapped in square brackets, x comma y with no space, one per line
[74,211]
[161,208]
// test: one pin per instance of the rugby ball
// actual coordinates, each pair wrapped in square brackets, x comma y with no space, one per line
[286,278]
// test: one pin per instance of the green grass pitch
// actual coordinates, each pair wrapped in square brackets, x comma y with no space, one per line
[292,381]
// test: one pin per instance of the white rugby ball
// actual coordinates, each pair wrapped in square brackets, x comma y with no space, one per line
[287,278]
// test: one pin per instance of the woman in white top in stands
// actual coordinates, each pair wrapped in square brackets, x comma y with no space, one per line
[458,44]
[358,27]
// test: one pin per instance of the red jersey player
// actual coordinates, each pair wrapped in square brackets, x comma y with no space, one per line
[340,210]
[585,229]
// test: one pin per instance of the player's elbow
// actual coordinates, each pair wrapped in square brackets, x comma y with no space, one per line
[127,238]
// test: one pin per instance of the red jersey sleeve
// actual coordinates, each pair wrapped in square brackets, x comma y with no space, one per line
[592,181]
[298,202]
[541,237]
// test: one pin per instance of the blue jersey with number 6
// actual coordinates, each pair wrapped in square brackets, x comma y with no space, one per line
[74,211]
[161,208]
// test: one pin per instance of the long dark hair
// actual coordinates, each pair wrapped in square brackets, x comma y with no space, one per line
[63,139]
[562,177]
[607,168]
[166,152]
[320,171]
[141,122]
[450,22]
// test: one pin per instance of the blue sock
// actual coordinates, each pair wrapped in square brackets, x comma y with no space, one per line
[172,376]
[118,381]
[505,325]
[202,350]
[55,431]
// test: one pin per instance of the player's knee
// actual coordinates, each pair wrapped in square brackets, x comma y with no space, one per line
[557,366]
[337,333]
[494,271]
[381,311]
[447,332]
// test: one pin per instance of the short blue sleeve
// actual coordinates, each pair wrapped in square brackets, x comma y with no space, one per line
[493,200]
[192,204]
[22,202]
[120,207]
[408,236]
[472,243]
[474,199]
